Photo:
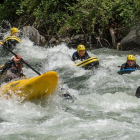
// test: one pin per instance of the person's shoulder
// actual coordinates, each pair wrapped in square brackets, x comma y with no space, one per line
[123,64]
[15,40]
[74,56]
[75,53]
[12,39]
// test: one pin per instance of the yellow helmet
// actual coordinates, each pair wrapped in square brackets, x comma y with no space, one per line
[131,57]
[80,47]
[14,30]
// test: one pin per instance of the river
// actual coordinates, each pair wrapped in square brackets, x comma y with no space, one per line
[104,107]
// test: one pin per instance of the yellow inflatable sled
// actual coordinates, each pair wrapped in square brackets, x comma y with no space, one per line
[89,63]
[32,88]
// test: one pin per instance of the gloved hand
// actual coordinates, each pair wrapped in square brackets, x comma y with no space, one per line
[17,58]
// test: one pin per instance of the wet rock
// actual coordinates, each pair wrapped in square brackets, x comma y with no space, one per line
[76,40]
[42,40]
[34,35]
[79,37]
[88,41]
[53,41]
[132,40]
[65,40]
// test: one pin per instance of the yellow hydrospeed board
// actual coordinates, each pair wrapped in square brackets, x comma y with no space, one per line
[32,88]
[87,61]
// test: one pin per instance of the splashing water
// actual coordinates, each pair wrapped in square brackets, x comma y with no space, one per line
[105,107]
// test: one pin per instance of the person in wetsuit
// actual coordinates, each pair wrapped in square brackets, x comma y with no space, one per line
[130,64]
[82,55]
[12,40]
[12,69]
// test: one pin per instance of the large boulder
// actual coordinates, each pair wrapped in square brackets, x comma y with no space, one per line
[87,40]
[76,40]
[34,35]
[132,40]
[53,42]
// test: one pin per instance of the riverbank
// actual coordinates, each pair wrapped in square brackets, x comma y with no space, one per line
[96,23]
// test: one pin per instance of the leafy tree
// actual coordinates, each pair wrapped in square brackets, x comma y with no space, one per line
[69,17]
[8,10]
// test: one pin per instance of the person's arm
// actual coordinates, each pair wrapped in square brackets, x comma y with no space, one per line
[137,67]
[122,67]
[74,56]
[7,66]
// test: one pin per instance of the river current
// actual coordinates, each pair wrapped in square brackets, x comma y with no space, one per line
[104,107]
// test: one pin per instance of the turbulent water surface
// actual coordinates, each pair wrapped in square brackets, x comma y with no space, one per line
[104,108]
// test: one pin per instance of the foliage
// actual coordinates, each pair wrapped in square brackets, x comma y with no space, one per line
[69,17]
[92,16]
[8,10]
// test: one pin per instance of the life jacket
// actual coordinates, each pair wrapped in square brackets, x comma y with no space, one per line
[10,42]
[12,37]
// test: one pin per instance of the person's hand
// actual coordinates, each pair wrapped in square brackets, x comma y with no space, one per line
[17,58]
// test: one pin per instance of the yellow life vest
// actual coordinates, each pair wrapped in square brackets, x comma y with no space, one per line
[12,37]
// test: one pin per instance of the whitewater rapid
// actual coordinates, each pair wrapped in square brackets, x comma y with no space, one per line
[104,108]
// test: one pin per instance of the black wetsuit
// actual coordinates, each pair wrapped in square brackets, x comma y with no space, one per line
[76,56]
[125,66]
[138,92]
[15,72]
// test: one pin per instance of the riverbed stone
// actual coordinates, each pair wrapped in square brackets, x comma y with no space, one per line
[132,40]
[34,35]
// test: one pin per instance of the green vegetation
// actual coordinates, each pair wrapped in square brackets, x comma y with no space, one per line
[69,17]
